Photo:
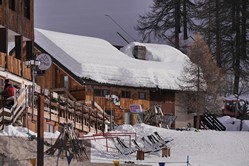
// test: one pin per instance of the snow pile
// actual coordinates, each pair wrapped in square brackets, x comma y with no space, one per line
[24,132]
[233,124]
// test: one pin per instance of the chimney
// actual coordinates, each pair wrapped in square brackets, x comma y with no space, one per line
[139,52]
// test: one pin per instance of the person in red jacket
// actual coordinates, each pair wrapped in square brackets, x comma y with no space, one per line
[8,93]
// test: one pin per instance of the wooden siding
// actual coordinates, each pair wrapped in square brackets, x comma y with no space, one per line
[164,98]
[15,66]
[124,102]
[15,20]
[53,78]
[2,60]
[1,14]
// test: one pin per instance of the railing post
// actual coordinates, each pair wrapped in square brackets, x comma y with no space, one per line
[74,118]
[96,123]
[82,119]
[59,109]
[50,105]
[89,120]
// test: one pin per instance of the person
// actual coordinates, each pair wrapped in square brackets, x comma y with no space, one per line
[8,93]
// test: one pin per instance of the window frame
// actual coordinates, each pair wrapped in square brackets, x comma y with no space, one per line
[126,94]
[101,92]
[140,95]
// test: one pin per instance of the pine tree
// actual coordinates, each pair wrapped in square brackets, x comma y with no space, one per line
[224,25]
[164,18]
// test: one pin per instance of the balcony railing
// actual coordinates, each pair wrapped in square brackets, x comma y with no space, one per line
[15,66]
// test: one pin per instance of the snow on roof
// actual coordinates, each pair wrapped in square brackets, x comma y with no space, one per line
[96,59]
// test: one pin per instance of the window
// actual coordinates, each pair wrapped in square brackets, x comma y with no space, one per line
[66,82]
[142,95]
[101,92]
[27,9]
[50,128]
[126,94]
[12,5]
[0,2]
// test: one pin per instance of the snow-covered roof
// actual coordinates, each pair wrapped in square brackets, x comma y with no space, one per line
[96,59]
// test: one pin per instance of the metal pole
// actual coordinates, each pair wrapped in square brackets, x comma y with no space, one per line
[33,91]
[40,131]
[111,118]
[187,160]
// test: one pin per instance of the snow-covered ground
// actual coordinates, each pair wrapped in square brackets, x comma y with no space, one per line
[204,147]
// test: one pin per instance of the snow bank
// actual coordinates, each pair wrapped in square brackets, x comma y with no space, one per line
[24,132]
[233,124]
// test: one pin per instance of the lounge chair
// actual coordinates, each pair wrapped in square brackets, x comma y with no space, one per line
[139,148]
[165,140]
[149,145]
[122,148]
[155,141]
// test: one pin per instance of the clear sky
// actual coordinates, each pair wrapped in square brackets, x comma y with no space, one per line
[88,17]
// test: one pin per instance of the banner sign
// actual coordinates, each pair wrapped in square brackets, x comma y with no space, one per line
[136,108]
[45,61]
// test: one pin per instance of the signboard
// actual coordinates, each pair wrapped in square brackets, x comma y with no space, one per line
[45,61]
[136,108]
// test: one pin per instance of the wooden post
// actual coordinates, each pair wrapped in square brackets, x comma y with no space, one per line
[96,123]
[89,120]
[140,155]
[40,132]
[58,109]
[165,152]
[82,119]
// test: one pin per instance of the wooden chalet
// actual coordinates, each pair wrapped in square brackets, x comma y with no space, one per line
[78,88]
[64,77]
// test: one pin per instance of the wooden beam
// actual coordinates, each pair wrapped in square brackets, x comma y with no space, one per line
[18,47]
[4,40]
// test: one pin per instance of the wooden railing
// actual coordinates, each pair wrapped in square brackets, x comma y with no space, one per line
[10,115]
[60,109]
[57,109]
[15,66]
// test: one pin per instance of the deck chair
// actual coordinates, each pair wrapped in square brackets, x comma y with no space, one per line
[150,145]
[122,148]
[155,141]
[139,148]
[164,141]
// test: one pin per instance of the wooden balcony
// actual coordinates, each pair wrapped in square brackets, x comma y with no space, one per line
[15,66]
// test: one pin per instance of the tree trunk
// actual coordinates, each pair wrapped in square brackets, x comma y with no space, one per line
[237,52]
[185,25]
[217,33]
[243,29]
[177,23]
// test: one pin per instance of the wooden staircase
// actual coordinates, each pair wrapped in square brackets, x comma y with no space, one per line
[57,109]
[10,115]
